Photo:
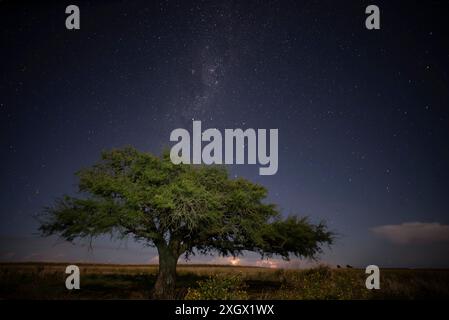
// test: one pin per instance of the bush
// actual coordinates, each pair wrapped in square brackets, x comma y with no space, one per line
[323,283]
[219,287]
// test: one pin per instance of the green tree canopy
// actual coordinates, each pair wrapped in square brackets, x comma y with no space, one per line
[179,209]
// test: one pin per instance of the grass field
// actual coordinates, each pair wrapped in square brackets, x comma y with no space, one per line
[106,281]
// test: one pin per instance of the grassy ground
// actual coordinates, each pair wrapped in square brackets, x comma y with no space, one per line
[47,281]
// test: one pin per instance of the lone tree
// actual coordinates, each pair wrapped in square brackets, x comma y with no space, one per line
[179,209]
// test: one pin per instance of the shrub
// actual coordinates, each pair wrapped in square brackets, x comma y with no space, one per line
[219,287]
[323,283]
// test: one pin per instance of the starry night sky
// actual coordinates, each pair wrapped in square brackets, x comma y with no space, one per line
[363,116]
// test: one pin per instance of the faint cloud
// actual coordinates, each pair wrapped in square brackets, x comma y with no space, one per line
[226,260]
[9,255]
[414,232]
[268,263]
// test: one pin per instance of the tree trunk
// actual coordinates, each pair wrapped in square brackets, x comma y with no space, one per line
[166,278]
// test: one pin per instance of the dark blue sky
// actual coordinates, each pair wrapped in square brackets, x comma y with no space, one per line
[363,116]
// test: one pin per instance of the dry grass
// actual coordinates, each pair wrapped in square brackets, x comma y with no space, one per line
[108,281]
